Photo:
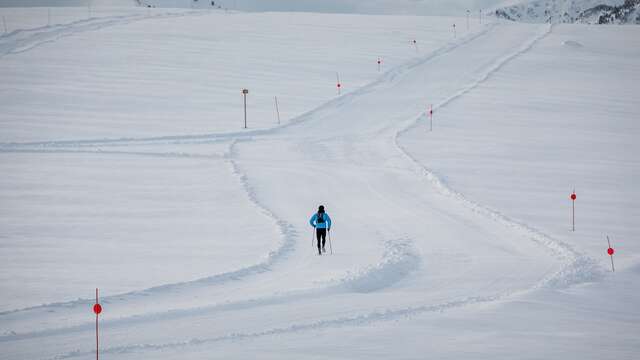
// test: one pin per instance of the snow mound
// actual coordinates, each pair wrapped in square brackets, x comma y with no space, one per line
[572,44]
[580,271]
[400,258]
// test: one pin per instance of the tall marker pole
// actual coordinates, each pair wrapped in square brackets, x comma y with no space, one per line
[468,13]
[379,62]
[97,309]
[430,117]
[244,94]
[573,210]
[610,251]
[4,22]
[454,31]
[338,85]
[480,16]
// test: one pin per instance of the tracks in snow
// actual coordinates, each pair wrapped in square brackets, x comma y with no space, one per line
[574,263]
[286,246]
[400,258]
[97,144]
[20,41]
[578,268]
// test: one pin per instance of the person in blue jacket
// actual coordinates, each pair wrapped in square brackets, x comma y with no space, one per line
[322,222]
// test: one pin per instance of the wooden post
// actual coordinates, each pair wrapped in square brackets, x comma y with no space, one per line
[277,110]
[244,93]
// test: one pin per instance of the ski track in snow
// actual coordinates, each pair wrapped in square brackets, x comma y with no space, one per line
[287,245]
[71,146]
[384,80]
[578,268]
[356,320]
[399,260]
[22,40]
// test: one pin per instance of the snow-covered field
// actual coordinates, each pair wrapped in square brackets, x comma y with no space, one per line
[125,167]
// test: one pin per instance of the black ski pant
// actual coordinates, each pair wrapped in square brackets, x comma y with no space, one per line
[321,234]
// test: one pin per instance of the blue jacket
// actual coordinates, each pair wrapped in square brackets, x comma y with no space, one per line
[323,225]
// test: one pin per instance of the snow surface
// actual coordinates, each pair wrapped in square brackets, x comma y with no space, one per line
[126,168]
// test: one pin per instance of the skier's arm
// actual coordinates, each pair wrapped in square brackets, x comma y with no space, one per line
[313,219]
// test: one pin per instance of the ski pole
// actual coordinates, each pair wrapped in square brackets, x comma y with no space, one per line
[329,235]
[312,237]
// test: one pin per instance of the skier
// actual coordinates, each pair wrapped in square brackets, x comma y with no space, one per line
[322,222]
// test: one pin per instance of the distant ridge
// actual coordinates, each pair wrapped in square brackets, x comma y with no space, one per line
[573,11]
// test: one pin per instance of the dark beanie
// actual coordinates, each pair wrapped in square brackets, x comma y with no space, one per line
[321,209]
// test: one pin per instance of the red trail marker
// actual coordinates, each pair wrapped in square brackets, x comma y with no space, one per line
[573,210]
[97,309]
[610,251]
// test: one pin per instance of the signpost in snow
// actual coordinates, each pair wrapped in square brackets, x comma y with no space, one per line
[338,85]
[468,14]
[573,210]
[379,63]
[454,31]
[430,117]
[244,94]
[415,44]
[97,309]
[610,251]
[480,16]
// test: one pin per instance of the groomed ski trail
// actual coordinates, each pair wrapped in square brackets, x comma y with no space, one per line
[567,255]
[578,268]
[97,146]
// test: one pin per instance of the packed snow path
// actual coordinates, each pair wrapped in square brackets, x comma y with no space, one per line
[401,239]
[407,246]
